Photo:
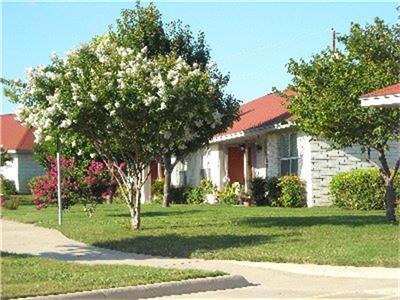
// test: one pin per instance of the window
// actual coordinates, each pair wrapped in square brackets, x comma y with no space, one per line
[288,154]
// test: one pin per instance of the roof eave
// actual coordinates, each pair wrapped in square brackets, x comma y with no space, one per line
[392,100]
[251,132]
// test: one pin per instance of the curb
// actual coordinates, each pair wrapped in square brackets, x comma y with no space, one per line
[328,270]
[158,289]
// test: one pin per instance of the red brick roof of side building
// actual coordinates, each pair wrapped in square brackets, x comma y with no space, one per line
[13,136]
[266,110]
[389,90]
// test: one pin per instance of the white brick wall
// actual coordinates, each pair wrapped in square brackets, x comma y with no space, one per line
[27,168]
[326,162]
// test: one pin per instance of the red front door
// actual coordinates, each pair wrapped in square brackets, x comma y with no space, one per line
[235,165]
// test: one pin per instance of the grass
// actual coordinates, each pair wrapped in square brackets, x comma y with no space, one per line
[24,276]
[299,235]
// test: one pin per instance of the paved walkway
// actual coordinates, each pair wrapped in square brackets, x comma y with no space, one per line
[271,280]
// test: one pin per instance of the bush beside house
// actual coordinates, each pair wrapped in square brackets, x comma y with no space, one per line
[360,189]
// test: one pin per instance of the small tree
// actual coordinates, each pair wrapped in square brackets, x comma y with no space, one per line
[328,89]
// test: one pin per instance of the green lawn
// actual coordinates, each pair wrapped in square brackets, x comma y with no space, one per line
[24,276]
[300,235]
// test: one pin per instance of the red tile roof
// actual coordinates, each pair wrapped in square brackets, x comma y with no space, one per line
[390,90]
[13,135]
[263,111]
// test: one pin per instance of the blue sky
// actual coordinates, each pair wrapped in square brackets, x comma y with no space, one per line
[251,41]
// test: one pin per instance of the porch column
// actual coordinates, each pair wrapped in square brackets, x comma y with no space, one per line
[226,157]
[160,174]
[246,170]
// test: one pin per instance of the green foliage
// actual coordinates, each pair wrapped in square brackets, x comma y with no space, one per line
[258,188]
[292,191]
[157,187]
[178,195]
[10,202]
[7,186]
[329,86]
[273,191]
[71,147]
[195,195]
[207,186]
[359,189]
[230,194]
[5,157]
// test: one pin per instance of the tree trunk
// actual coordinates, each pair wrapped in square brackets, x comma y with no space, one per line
[390,192]
[167,180]
[134,208]
[136,211]
[390,200]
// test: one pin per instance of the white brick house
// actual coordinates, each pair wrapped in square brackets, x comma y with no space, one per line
[18,141]
[265,143]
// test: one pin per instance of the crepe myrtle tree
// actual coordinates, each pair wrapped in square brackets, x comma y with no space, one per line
[329,87]
[113,97]
[192,110]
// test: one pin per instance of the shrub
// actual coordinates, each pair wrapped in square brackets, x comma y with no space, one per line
[178,195]
[359,189]
[99,182]
[157,187]
[292,191]
[230,194]
[258,188]
[7,186]
[91,185]
[273,191]
[45,187]
[9,202]
[207,186]
[195,195]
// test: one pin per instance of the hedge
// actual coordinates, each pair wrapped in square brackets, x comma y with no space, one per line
[360,189]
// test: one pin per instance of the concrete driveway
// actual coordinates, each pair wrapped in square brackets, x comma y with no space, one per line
[270,280]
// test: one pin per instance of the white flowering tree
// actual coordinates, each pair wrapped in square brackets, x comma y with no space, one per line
[131,102]
[185,86]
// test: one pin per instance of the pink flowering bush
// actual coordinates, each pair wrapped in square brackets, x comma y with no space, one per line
[44,188]
[91,185]
[100,183]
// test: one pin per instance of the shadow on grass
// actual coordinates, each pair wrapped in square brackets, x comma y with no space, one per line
[295,221]
[174,245]
[164,213]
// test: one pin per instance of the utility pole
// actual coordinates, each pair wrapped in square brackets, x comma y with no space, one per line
[333,41]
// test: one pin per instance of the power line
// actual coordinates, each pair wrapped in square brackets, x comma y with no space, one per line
[275,45]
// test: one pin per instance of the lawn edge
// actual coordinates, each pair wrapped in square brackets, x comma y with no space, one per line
[157,289]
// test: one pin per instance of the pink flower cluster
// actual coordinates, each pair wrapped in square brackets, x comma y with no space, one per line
[94,184]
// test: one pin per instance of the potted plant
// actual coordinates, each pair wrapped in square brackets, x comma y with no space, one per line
[245,199]
[209,191]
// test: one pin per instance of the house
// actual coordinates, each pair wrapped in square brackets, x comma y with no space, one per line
[386,97]
[18,140]
[265,142]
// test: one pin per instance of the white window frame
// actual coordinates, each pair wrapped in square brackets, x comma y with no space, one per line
[289,158]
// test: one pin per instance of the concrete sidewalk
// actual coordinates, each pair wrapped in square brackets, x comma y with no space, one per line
[272,280]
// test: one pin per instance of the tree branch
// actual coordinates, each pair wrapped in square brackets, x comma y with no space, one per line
[396,169]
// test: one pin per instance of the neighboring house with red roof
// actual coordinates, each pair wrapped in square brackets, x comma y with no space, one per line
[266,143]
[18,141]
[386,97]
